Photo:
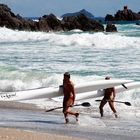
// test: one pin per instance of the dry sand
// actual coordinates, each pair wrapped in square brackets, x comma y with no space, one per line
[17,134]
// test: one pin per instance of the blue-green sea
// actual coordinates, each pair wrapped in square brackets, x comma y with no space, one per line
[39,59]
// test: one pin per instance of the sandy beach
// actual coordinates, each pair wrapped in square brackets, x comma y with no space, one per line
[18,134]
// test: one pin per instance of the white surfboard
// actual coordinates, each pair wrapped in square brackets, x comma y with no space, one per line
[55,92]
[100,93]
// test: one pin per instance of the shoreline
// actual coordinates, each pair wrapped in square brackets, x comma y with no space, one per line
[20,119]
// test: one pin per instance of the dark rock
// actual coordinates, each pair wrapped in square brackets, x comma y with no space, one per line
[128,15]
[50,23]
[7,18]
[109,18]
[10,20]
[83,11]
[81,22]
[111,28]
[125,14]
[137,23]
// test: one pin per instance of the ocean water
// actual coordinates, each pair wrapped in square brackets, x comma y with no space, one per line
[37,59]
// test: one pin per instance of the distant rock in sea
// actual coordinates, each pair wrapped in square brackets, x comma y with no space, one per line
[137,23]
[123,15]
[83,11]
[111,28]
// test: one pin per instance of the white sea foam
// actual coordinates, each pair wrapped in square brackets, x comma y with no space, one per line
[99,40]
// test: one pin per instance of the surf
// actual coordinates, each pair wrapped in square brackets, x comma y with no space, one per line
[86,39]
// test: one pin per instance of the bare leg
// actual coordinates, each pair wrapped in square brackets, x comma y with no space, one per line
[73,113]
[65,108]
[103,102]
[111,104]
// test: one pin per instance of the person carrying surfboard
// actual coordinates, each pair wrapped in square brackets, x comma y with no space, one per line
[109,96]
[69,97]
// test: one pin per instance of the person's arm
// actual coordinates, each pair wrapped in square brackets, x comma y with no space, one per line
[73,92]
[114,94]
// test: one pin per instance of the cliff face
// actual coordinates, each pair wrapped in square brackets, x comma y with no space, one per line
[125,14]
[47,23]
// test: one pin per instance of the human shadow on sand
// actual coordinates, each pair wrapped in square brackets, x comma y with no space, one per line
[37,121]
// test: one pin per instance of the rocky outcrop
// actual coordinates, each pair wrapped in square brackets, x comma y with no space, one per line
[125,14]
[47,23]
[81,22]
[111,28]
[10,20]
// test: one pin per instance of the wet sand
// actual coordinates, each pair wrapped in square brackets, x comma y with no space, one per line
[26,121]
[18,105]
[23,134]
